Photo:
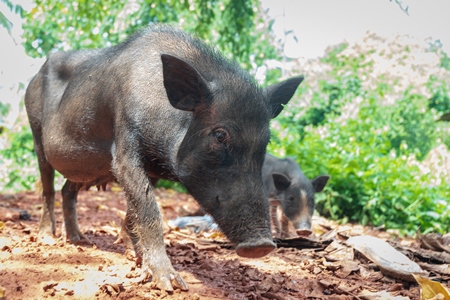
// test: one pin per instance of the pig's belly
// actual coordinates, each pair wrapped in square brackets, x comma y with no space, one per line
[82,163]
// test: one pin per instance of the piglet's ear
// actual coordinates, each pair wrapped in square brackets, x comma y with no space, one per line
[319,182]
[185,86]
[281,181]
[279,94]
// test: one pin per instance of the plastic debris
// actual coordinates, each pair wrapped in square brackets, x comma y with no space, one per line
[195,223]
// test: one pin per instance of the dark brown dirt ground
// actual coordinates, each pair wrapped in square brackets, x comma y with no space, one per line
[31,269]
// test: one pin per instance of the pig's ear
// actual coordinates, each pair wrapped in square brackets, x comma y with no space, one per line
[279,94]
[319,182]
[281,181]
[185,86]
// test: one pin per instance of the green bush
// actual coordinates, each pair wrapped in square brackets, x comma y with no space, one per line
[20,159]
[372,182]
[440,101]
[411,124]
[177,186]
[371,155]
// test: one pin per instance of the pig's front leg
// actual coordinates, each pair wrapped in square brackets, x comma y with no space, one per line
[274,204]
[284,226]
[143,221]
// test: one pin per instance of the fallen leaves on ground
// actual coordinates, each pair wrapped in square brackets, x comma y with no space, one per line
[320,266]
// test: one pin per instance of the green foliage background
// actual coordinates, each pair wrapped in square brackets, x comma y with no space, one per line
[228,24]
[370,131]
[374,154]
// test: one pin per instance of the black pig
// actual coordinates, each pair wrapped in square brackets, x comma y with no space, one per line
[288,187]
[162,104]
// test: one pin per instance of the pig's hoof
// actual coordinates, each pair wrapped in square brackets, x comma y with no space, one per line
[255,249]
[303,232]
[144,276]
[165,281]
[78,238]
[168,282]
[82,242]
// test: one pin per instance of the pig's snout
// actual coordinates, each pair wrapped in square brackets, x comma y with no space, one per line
[303,232]
[255,249]
[303,229]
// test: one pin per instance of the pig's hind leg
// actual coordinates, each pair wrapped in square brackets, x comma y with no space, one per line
[47,226]
[73,234]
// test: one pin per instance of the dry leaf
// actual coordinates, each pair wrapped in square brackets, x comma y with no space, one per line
[433,241]
[431,289]
[339,252]
[446,239]
[443,269]
[121,214]
[102,207]
[391,262]
[327,235]
[116,188]
[110,230]
[214,235]
[347,268]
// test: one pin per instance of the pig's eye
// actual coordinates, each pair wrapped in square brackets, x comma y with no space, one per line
[291,199]
[221,135]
